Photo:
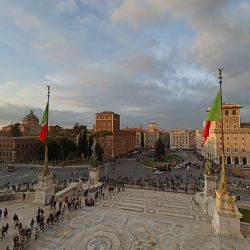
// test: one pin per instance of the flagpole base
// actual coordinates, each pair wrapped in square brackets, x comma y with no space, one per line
[226,218]
[44,190]
[94,175]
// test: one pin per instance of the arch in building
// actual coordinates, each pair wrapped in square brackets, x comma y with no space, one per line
[244,160]
[229,160]
[236,160]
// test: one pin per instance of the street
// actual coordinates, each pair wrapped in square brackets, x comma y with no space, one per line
[124,167]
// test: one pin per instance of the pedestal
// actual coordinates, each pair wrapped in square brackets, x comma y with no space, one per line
[94,175]
[44,190]
[210,185]
[226,219]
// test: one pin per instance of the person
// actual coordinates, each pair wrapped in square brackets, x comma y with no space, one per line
[5,213]
[15,219]
[32,223]
[24,196]
[36,233]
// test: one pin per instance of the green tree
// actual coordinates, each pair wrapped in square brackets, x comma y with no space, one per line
[15,130]
[83,143]
[159,149]
[65,146]
[142,139]
[53,149]
[55,130]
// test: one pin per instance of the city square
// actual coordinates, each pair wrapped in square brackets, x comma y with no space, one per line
[124,124]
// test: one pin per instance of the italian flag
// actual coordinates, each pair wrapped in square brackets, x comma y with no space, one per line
[44,124]
[214,114]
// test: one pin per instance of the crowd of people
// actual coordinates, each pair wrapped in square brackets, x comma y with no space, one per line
[173,183]
[39,223]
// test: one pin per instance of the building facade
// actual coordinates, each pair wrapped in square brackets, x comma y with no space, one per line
[151,135]
[20,149]
[121,142]
[236,138]
[182,139]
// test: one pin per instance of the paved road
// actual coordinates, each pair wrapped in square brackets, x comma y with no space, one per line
[126,167]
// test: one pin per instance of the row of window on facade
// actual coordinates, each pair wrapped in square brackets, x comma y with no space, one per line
[227,112]
[17,145]
[235,138]
[17,153]
[236,159]
[236,150]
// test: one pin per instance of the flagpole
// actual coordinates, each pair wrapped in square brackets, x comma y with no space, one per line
[46,160]
[223,186]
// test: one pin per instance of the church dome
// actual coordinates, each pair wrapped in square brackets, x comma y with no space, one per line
[31,117]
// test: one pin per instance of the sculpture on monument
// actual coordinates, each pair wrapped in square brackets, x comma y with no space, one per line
[93,158]
[94,174]
[209,170]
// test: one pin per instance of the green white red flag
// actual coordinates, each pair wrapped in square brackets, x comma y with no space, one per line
[44,124]
[214,114]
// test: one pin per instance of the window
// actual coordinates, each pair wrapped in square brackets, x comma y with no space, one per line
[234,120]
[235,138]
[227,138]
[220,126]
[227,126]
[234,112]
[227,120]
[243,138]
[235,126]
[236,150]
[244,150]
[226,112]
[228,150]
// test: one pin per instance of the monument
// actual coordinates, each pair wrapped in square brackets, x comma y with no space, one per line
[226,218]
[45,187]
[94,172]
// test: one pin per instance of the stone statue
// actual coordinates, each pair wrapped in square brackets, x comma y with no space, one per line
[93,158]
[209,168]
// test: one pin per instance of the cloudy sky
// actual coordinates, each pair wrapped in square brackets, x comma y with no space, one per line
[147,60]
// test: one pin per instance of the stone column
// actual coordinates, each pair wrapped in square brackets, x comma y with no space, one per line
[45,189]
[210,185]
[94,175]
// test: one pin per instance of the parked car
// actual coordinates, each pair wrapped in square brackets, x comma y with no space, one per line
[188,168]
[159,172]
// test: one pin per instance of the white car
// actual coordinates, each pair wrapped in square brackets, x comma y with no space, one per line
[159,172]
[178,167]
[188,168]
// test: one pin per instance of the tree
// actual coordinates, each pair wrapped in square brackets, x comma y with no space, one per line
[83,143]
[55,130]
[159,149]
[15,130]
[142,139]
